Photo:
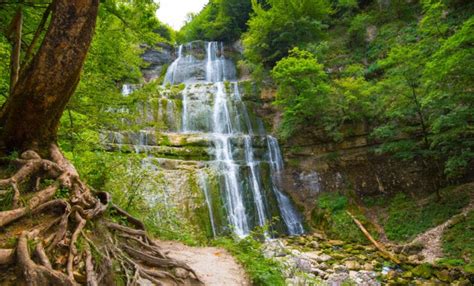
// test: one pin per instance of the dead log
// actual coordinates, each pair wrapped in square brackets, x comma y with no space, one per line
[378,245]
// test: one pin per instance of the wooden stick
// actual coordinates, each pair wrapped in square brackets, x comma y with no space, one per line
[379,246]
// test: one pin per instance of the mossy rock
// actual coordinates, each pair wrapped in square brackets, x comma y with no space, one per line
[443,275]
[424,271]
[469,268]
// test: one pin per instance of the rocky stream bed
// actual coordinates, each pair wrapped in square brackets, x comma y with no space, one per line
[315,260]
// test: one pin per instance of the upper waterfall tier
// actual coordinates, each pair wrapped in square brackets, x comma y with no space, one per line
[200,62]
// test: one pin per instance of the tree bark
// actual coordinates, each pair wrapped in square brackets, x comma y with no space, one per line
[16,31]
[30,117]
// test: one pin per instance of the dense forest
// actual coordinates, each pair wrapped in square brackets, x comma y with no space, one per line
[92,175]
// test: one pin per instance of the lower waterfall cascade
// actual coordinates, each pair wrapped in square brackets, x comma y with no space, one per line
[241,159]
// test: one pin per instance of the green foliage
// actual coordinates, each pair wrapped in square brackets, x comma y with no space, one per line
[302,89]
[330,214]
[248,251]
[138,191]
[452,98]
[358,27]
[402,98]
[408,217]
[458,241]
[114,58]
[393,66]
[6,200]
[274,32]
[425,104]
[220,20]
[4,69]
[332,202]
[306,97]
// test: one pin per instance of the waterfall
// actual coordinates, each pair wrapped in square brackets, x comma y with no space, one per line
[126,89]
[289,214]
[171,72]
[247,162]
[233,192]
[185,127]
[255,182]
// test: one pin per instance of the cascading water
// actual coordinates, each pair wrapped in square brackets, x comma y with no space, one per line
[218,112]
[291,217]
[171,72]
[240,178]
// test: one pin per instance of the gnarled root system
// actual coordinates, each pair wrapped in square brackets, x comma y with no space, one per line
[88,241]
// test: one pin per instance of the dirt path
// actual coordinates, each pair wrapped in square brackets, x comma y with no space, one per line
[214,266]
[432,239]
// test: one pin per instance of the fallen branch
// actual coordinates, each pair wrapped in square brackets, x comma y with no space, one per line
[379,246]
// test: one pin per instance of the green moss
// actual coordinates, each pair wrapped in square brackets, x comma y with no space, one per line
[227,87]
[469,268]
[330,215]
[161,78]
[408,217]
[162,139]
[424,271]
[217,203]
[199,215]
[181,153]
[277,223]
[458,240]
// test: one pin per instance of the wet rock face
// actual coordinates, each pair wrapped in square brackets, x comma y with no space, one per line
[202,61]
[314,169]
[158,58]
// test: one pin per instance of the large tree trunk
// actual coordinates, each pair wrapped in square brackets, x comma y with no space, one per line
[30,118]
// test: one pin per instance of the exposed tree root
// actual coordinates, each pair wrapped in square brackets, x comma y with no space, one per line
[82,246]
[7,256]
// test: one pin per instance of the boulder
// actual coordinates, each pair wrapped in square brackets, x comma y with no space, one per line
[303,264]
[352,265]
[314,244]
[340,268]
[368,267]
[323,258]
[412,249]
[443,275]
[336,242]
[423,270]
